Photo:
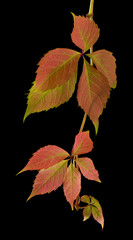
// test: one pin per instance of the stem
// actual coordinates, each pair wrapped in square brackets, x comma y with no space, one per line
[90,15]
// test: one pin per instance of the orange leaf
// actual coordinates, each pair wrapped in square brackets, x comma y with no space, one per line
[87,168]
[46,157]
[93,92]
[105,63]
[55,68]
[72,184]
[49,179]
[55,81]
[85,32]
[83,144]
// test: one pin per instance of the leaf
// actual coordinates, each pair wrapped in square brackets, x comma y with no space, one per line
[83,144]
[72,184]
[85,32]
[86,213]
[93,207]
[49,179]
[55,80]
[105,63]
[93,92]
[56,68]
[46,157]
[85,199]
[39,101]
[97,211]
[87,168]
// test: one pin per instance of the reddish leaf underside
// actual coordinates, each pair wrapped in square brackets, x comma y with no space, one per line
[87,168]
[49,179]
[55,80]
[85,32]
[72,184]
[46,157]
[105,63]
[93,92]
[83,144]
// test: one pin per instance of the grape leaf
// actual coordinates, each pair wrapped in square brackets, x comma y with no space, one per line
[46,157]
[49,179]
[93,208]
[105,63]
[87,168]
[83,144]
[72,184]
[55,80]
[85,32]
[93,92]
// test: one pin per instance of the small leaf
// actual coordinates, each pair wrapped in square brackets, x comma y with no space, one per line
[85,32]
[46,157]
[55,80]
[72,184]
[97,211]
[85,199]
[83,144]
[49,179]
[105,63]
[87,213]
[87,168]
[93,92]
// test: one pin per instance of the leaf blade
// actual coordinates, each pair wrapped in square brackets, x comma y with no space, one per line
[85,32]
[49,179]
[88,169]
[93,92]
[105,63]
[83,144]
[97,211]
[50,92]
[56,67]
[46,157]
[87,213]
[72,184]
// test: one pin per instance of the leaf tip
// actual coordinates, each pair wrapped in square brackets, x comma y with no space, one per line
[29,197]
[20,172]
[72,14]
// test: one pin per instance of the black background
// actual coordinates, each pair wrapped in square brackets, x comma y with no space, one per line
[33,29]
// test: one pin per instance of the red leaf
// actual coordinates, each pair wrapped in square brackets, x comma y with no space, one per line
[56,67]
[93,92]
[46,157]
[49,179]
[72,184]
[87,168]
[85,32]
[83,144]
[55,80]
[105,63]
[42,101]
